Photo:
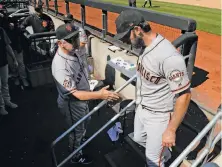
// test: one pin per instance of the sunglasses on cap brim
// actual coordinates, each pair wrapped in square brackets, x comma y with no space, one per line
[72,39]
[126,37]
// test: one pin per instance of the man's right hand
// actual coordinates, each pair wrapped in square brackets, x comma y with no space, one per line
[108,95]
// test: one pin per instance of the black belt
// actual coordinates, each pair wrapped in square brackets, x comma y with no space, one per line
[146,108]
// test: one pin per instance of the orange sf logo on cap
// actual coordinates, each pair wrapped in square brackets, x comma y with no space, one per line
[68,27]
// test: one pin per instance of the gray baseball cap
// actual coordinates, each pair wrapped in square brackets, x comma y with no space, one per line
[68,17]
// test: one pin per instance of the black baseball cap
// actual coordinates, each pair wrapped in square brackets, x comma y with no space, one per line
[38,8]
[66,31]
[68,17]
[126,21]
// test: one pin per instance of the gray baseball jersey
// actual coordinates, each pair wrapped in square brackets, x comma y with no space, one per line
[70,75]
[161,74]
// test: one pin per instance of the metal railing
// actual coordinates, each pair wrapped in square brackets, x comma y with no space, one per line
[21,12]
[37,47]
[12,3]
[96,133]
[190,54]
[209,146]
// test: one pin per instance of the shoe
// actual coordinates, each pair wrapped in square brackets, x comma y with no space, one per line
[3,111]
[11,105]
[25,82]
[17,82]
[81,159]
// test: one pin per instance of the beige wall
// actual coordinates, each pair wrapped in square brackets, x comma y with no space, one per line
[100,52]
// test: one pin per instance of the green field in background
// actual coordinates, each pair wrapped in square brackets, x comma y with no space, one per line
[208,20]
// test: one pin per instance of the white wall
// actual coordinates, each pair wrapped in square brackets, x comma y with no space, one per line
[100,52]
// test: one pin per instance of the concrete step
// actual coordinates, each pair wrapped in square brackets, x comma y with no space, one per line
[123,157]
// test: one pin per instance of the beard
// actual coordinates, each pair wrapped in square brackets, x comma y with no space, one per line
[137,42]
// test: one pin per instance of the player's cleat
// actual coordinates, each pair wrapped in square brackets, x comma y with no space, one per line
[3,111]
[10,104]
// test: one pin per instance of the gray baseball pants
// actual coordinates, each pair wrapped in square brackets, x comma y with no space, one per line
[148,129]
[73,111]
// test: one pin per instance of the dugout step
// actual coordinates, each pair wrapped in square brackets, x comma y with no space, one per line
[183,134]
[123,157]
[140,150]
[193,123]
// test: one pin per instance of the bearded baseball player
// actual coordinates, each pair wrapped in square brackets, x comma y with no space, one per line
[162,77]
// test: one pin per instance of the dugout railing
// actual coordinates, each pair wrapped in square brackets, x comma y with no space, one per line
[210,144]
[37,50]
[38,46]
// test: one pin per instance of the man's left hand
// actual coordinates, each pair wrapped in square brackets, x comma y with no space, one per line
[169,138]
